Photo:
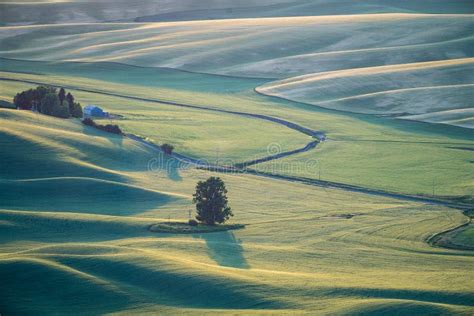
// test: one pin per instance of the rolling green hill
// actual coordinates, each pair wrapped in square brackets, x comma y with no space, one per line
[361,150]
[199,134]
[355,120]
[296,254]
[434,88]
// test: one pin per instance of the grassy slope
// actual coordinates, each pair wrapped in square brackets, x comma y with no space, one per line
[81,165]
[204,135]
[295,254]
[362,150]
[466,237]
[410,89]
[461,238]
[142,76]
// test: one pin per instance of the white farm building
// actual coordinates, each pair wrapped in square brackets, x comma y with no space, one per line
[95,111]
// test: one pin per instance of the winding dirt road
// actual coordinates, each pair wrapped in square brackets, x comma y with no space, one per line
[241,168]
[319,136]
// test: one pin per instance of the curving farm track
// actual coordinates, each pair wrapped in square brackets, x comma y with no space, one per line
[319,136]
[241,167]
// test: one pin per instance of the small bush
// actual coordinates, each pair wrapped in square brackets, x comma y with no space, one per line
[109,128]
[167,149]
[88,122]
[193,222]
[114,129]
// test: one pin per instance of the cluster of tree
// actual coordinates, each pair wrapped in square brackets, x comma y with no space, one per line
[211,201]
[109,128]
[48,101]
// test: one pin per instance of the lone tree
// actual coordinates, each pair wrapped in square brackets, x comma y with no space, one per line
[211,201]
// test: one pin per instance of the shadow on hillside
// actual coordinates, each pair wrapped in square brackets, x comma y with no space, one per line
[162,163]
[82,195]
[225,249]
[159,163]
[50,290]
[116,140]
[172,170]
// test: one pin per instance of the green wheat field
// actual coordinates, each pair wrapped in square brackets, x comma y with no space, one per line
[343,130]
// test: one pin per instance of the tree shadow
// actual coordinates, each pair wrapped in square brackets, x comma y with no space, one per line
[225,249]
[172,169]
[163,163]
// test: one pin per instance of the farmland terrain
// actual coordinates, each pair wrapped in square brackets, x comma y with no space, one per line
[343,131]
